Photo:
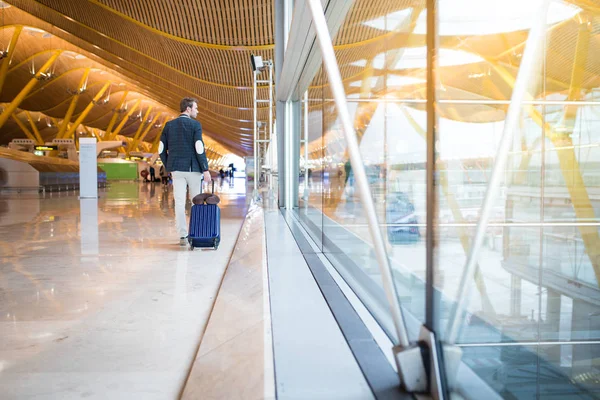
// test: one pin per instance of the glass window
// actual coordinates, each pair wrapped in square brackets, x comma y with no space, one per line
[532,322]
[535,277]
[312,158]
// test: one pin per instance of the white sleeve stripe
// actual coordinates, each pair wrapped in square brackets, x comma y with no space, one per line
[161,147]
[199,147]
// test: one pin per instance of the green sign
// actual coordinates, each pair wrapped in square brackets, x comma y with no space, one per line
[120,171]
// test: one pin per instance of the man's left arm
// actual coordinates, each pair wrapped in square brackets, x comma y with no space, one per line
[201,152]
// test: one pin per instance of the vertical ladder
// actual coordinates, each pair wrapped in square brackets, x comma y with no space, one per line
[262,137]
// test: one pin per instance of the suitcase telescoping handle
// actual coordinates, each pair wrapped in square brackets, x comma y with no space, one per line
[213,186]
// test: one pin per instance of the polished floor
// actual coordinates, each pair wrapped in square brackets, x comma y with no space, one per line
[235,358]
[97,299]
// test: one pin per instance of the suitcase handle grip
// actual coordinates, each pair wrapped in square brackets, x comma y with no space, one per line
[213,186]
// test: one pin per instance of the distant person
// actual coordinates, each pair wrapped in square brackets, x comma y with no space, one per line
[349,181]
[164,176]
[152,174]
[181,150]
[348,171]
[222,174]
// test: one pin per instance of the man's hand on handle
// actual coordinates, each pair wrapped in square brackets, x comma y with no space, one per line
[207,177]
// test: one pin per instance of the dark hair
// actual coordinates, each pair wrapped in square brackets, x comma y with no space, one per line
[187,102]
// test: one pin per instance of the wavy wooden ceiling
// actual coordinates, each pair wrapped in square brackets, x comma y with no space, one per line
[45,107]
[170,50]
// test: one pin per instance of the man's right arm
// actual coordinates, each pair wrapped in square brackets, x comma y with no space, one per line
[163,150]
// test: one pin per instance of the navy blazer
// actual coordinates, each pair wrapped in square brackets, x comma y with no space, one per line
[181,147]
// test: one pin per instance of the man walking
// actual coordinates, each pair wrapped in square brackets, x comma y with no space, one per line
[181,150]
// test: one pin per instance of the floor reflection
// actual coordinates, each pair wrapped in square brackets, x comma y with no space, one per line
[89,226]
[92,288]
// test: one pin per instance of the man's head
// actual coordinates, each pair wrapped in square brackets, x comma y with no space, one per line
[189,106]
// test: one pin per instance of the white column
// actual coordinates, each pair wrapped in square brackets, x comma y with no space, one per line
[88,169]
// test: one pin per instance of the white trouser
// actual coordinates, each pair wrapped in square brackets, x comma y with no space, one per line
[181,180]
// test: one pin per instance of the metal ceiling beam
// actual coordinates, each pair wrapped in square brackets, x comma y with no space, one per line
[71,109]
[148,128]
[86,111]
[154,147]
[142,88]
[124,120]
[53,81]
[92,131]
[113,120]
[34,128]
[66,100]
[139,130]
[25,130]
[28,88]
[10,51]
[151,58]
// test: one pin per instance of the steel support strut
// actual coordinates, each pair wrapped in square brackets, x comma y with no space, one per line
[71,110]
[34,128]
[87,110]
[28,88]
[25,130]
[145,132]
[9,53]
[113,119]
[136,137]
[114,134]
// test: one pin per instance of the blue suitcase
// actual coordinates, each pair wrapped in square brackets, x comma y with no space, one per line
[205,226]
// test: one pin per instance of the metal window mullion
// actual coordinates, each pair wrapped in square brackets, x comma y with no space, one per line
[254,119]
[287,169]
[437,375]
[542,207]
[360,176]
[432,124]
[289,154]
[281,33]
[270,138]
[306,146]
